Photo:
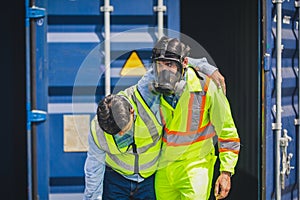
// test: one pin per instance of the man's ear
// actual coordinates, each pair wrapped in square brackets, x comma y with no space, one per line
[131,110]
[185,62]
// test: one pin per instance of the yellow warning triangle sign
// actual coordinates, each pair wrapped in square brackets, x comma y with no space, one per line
[133,66]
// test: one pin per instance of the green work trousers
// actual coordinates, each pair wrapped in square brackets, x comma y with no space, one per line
[186,179]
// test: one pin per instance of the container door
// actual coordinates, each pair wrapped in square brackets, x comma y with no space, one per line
[72,76]
[289,102]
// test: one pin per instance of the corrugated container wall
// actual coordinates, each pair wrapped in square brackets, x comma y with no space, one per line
[287,64]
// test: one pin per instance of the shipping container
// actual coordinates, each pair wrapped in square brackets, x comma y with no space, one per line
[280,141]
[71,66]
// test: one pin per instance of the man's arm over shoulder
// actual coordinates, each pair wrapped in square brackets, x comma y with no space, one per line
[209,70]
[94,169]
[143,88]
[203,65]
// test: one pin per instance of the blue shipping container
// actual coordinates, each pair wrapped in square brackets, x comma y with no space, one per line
[280,88]
[70,77]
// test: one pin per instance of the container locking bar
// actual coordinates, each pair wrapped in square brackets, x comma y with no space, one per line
[160,9]
[107,8]
[32,12]
[277,125]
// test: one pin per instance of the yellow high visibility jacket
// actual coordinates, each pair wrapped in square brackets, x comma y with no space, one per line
[201,112]
[142,156]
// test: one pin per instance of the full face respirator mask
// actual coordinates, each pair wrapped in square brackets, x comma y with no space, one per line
[167,57]
[168,77]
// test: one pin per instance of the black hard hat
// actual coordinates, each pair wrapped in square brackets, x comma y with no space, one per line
[170,49]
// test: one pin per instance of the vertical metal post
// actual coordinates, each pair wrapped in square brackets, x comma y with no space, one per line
[32,12]
[160,9]
[28,106]
[278,126]
[107,9]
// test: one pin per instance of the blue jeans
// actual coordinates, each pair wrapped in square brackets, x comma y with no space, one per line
[117,187]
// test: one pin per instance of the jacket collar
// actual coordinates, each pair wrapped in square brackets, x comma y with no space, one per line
[193,82]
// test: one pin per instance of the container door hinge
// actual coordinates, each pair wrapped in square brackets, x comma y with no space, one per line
[36,12]
[37,116]
[107,8]
[159,8]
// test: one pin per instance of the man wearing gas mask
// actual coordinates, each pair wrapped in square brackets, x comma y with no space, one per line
[168,67]
[193,110]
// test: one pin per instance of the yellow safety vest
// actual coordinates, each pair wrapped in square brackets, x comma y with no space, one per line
[142,156]
[190,126]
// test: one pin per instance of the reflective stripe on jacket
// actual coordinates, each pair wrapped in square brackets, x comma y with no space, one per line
[201,112]
[142,156]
